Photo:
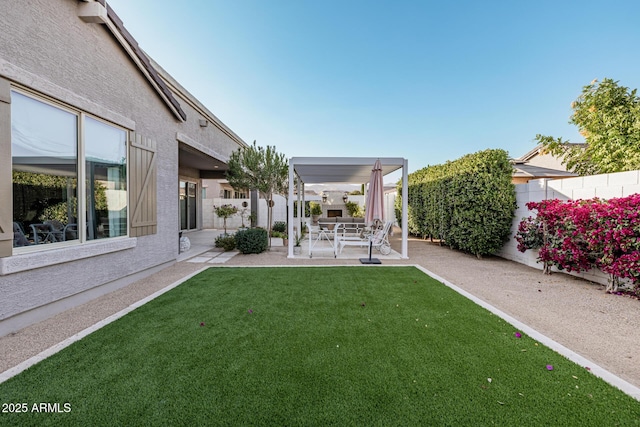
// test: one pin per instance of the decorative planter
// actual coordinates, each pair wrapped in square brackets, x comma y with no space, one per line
[297,250]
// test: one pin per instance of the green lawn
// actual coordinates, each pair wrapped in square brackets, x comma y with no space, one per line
[313,346]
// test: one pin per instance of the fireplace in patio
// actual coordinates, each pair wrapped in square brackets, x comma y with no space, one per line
[332,213]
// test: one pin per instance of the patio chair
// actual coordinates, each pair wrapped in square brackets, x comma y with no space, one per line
[70,232]
[379,240]
[57,229]
[19,238]
[44,233]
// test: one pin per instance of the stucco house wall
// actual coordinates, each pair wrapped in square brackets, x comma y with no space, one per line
[46,48]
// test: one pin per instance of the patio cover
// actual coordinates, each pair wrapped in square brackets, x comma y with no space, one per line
[343,170]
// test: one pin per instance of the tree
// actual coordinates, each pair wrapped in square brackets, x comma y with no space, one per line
[224,212]
[259,168]
[608,117]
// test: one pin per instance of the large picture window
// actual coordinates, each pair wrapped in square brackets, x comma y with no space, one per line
[67,185]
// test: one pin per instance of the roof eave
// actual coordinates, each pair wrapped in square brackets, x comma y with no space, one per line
[101,13]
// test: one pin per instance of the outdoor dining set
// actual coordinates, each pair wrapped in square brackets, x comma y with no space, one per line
[334,234]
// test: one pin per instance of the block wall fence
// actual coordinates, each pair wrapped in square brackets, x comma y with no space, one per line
[605,186]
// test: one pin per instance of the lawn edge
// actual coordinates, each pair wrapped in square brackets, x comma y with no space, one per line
[576,358]
[12,372]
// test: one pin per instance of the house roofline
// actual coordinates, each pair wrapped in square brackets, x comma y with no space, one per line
[99,12]
[536,150]
[187,97]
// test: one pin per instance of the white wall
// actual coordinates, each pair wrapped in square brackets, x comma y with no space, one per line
[279,211]
[604,186]
[389,209]
[211,220]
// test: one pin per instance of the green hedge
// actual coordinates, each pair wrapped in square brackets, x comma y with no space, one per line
[468,203]
[252,240]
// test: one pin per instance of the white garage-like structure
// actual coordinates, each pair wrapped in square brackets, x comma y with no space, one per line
[343,170]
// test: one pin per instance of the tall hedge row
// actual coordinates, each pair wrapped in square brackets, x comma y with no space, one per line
[468,203]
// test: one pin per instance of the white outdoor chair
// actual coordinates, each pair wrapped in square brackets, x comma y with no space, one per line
[379,240]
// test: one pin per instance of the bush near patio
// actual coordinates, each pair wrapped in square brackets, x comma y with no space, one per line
[226,242]
[279,226]
[579,235]
[467,204]
[252,240]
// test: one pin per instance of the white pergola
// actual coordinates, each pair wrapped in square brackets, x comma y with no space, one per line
[344,170]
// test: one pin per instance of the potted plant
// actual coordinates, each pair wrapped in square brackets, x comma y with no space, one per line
[316,211]
[297,248]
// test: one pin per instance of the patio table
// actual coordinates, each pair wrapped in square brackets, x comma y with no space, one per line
[317,236]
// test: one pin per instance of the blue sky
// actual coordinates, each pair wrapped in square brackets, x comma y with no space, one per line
[426,80]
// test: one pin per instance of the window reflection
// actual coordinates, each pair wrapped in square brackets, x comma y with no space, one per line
[105,155]
[44,159]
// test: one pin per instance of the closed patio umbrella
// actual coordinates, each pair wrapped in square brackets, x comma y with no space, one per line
[374,204]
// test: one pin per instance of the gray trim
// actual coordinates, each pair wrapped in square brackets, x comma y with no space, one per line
[45,87]
[181,137]
[44,258]
[6,188]
[5,91]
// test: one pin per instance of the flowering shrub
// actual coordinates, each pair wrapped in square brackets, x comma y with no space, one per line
[582,234]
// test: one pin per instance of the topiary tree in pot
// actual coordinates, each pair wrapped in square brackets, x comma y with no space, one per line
[224,212]
[316,211]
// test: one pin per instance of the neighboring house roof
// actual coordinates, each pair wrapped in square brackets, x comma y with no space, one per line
[523,170]
[539,164]
[537,150]
[534,152]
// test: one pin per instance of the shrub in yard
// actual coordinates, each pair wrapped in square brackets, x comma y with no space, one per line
[279,226]
[252,240]
[226,242]
[468,204]
[578,235]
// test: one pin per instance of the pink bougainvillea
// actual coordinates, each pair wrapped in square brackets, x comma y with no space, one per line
[578,235]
